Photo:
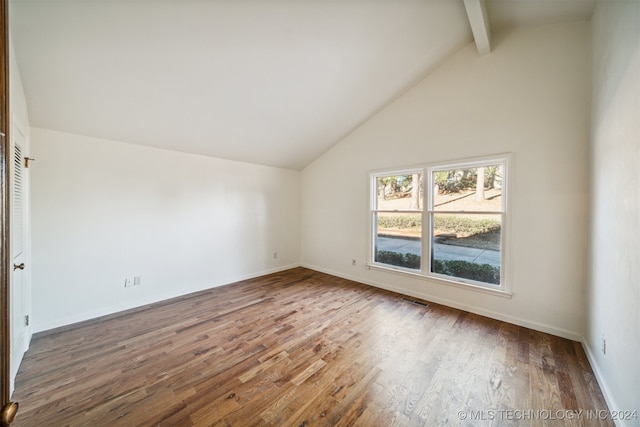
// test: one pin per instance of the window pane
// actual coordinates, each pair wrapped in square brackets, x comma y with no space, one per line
[399,192]
[470,190]
[467,246]
[398,239]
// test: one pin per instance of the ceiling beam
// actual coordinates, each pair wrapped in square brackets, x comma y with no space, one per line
[479,20]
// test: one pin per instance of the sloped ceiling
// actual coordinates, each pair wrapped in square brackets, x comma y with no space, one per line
[273,82]
[516,13]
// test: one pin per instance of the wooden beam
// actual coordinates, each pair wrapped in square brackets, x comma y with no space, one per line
[479,20]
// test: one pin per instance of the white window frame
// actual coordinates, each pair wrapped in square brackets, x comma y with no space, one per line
[375,211]
[504,288]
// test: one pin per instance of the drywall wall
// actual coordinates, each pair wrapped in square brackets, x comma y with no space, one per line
[105,210]
[529,97]
[17,98]
[614,286]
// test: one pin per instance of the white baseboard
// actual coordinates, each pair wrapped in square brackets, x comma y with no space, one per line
[450,303]
[608,396]
[454,304]
[105,311]
[606,392]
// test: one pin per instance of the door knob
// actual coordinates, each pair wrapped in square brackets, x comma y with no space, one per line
[18,266]
[8,413]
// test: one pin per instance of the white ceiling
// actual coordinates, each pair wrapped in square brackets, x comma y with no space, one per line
[517,13]
[273,82]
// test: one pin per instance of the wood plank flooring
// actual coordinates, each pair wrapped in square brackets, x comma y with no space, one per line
[302,348]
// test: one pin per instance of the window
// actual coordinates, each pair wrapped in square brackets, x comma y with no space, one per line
[454,212]
[397,215]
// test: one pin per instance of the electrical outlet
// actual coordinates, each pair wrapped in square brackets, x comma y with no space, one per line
[353,261]
[136,280]
[128,282]
[604,346]
[26,320]
[275,255]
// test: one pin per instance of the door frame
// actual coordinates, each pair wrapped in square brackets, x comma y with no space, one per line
[8,408]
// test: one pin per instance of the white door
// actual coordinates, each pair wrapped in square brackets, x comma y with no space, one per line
[19,290]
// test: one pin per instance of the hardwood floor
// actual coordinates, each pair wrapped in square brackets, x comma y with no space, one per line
[302,348]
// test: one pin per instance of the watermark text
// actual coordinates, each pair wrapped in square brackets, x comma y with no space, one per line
[543,414]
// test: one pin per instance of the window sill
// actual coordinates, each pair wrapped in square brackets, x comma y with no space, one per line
[468,286]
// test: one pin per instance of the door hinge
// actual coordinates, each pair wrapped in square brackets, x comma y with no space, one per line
[26,320]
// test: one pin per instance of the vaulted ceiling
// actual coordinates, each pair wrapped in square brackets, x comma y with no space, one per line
[273,82]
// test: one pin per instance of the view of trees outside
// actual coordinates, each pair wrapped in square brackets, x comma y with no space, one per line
[399,201]
[467,206]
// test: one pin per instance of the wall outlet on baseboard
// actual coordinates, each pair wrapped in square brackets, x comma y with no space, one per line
[128,282]
[604,345]
[275,255]
[136,280]
[353,261]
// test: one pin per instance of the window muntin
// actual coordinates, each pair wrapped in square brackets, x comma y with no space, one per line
[461,227]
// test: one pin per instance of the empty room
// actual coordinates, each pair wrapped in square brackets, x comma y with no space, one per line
[320,213]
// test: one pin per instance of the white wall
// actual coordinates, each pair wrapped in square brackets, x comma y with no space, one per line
[105,210]
[614,290]
[16,92]
[530,97]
